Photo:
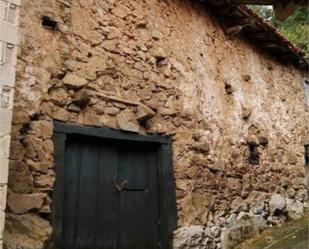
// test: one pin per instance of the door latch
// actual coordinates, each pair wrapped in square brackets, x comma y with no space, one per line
[118,183]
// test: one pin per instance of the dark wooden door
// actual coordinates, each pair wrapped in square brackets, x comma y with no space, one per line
[111,195]
[113,190]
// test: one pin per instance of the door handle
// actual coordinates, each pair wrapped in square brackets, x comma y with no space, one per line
[118,183]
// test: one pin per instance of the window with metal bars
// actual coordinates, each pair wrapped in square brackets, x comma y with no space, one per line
[306,85]
[307,154]
[254,157]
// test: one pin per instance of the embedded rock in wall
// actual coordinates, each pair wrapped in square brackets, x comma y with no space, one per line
[81,99]
[144,113]
[294,208]
[23,203]
[74,81]
[27,231]
[20,177]
[276,203]
[59,96]
[60,114]
[229,233]
[242,227]
[194,237]
[246,112]
[20,116]
[127,121]
[42,128]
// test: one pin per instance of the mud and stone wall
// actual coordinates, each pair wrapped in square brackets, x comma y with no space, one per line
[157,67]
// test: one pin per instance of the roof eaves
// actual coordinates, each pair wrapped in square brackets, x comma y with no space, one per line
[260,31]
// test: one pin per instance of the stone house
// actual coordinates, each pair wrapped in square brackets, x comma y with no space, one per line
[212,81]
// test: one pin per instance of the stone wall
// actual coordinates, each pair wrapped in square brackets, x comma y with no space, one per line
[9,13]
[155,67]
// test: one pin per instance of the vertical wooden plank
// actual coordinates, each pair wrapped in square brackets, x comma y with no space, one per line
[153,201]
[167,195]
[106,207]
[58,193]
[87,190]
[72,173]
[139,216]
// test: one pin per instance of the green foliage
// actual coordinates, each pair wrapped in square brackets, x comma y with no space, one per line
[264,11]
[295,28]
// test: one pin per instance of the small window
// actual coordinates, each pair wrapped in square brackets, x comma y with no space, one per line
[254,157]
[47,22]
[307,154]
[306,85]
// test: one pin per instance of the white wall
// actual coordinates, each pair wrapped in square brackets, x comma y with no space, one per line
[9,13]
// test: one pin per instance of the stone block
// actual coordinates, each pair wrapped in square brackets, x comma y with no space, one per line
[263,140]
[243,227]
[111,110]
[20,177]
[23,203]
[2,217]
[6,119]
[9,54]
[8,33]
[42,128]
[4,169]
[246,112]
[9,11]
[60,114]
[187,237]
[7,75]
[2,53]
[3,5]
[252,139]
[8,60]
[12,12]
[91,118]
[16,2]
[144,113]
[20,116]
[294,208]
[39,236]
[74,81]
[81,99]
[6,97]
[3,194]
[5,146]
[127,121]
[276,203]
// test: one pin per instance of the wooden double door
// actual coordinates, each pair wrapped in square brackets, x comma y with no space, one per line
[110,193]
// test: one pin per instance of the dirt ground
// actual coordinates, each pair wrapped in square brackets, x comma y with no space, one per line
[293,235]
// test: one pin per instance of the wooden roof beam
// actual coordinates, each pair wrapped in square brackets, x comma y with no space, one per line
[254,2]
[283,8]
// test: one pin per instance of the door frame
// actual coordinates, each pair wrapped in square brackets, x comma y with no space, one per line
[166,181]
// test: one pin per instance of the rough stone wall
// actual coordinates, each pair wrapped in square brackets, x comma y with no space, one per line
[9,13]
[109,62]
